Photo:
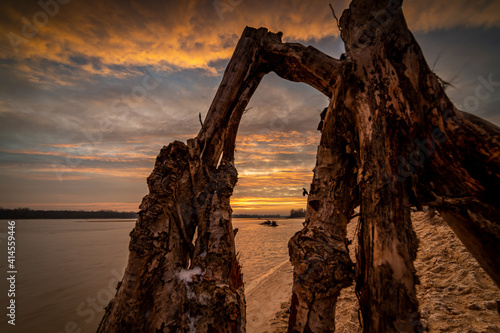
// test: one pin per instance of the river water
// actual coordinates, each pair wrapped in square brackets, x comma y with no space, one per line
[67,270]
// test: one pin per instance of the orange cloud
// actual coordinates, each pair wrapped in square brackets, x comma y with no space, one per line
[265,205]
[63,172]
[168,34]
[428,15]
[97,36]
[274,178]
[192,34]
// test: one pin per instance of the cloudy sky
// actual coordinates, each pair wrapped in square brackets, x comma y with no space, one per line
[65,67]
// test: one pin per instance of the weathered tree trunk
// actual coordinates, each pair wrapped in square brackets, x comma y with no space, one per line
[319,252]
[391,139]
[411,151]
[171,285]
[163,289]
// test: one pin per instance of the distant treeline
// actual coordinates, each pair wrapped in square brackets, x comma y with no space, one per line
[254,216]
[294,213]
[27,213]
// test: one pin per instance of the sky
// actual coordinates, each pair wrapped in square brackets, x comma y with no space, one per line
[66,66]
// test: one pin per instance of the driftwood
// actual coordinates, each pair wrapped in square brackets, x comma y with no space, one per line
[391,140]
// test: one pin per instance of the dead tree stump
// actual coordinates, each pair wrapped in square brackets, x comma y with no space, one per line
[391,139]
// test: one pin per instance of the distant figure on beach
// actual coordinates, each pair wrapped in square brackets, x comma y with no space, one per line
[304,193]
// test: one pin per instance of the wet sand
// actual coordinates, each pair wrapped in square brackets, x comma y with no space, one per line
[265,298]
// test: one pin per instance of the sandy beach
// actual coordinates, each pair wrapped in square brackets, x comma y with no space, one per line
[455,294]
[266,296]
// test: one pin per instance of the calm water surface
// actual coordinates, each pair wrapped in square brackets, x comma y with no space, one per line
[68,269]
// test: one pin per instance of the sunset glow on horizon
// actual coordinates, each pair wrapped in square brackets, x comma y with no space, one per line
[91,91]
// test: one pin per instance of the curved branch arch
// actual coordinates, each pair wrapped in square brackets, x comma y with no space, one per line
[257,53]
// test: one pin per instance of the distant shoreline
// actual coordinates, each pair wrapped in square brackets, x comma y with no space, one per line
[31,214]
[256,216]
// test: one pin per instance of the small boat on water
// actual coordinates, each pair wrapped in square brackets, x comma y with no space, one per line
[270,223]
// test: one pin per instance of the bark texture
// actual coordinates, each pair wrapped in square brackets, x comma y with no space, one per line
[174,283]
[391,139]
